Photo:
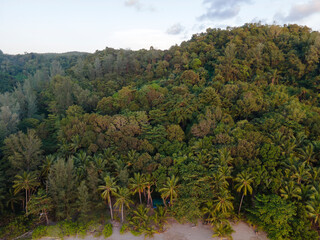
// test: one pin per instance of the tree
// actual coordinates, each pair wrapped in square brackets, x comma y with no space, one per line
[26,181]
[170,189]
[12,199]
[222,230]
[83,201]
[313,208]
[149,182]
[40,205]
[109,188]
[273,214]
[62,188]
[137,184]
[223,202]
[23,150]
[160,217]
[122,200]
[244,180]
[290,191]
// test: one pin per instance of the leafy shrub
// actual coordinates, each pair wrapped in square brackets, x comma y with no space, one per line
[107,230]
[39,232]
[54,231]
[15,228]
[135,233]
[124,228]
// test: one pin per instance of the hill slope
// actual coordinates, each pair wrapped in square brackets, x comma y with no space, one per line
[229,121]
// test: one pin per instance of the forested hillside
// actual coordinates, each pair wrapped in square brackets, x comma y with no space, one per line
[224,126]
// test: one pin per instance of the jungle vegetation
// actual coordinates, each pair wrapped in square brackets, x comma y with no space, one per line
[224,126]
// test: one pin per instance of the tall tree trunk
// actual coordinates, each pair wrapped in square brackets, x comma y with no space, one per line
[110,206]
[47,219]
[122,214]
[149,196]
[26,201]
[240,204]
[140,196]
[164,202]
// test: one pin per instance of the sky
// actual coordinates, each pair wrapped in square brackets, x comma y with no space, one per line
[88,25]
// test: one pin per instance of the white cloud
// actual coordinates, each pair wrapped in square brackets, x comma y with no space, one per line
[138,5]
[175,29]
[133,3]
[301,11]
[222,9]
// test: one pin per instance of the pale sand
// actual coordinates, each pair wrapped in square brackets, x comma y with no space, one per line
[178,231]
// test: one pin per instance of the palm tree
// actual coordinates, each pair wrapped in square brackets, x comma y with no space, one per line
[27,181]
[99,163]
[149,182]
[141,214]
[123,199]
[306,192]
[301,174]
[213,216]
[224,157]
[244,180]
[81,162]
[308,154]
[12,199]
[108,189]
[137,184]
[224,202]
[222,230]
[170,189]
[290,191]
[160,217]
[313,208]
[220,181]
[45,169]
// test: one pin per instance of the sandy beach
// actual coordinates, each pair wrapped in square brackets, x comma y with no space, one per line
[178,231]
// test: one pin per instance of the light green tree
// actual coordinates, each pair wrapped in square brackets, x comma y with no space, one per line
[109,188]
[27,181]
[122,200]
[244,181]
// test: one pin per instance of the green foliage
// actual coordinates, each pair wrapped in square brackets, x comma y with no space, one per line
[39,232]
[23,151]
[273,214]
[18,226]
[107,230]
[223,229]
[227,114]
[124,228]
[62,190]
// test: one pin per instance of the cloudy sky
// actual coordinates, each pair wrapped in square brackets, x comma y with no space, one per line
[89,25]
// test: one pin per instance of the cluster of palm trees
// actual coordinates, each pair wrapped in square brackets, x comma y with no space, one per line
[141,184]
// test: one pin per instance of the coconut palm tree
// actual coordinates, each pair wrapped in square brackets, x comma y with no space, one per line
[149,182]
[224,202]
[109,188]
[223,230]
[170,189]
[290,191]
[160,217]
[306,192]
[137,184]
[301,173]
[308,154]
[122,200]
[12,199]
[27,181]
[313,208]
[245,181]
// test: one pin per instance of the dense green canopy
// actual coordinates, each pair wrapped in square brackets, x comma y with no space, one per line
[227,122]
